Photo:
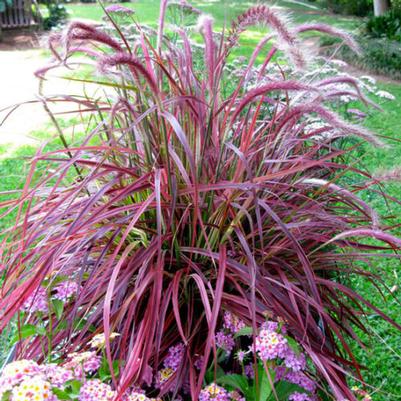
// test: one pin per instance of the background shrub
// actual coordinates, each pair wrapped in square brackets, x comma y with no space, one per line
[57,14]
[360,8]
[380,56]
[387,25]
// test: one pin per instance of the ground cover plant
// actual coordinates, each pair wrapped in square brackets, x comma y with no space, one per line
[197,201]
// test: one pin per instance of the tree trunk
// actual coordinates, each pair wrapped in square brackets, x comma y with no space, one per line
[380,7]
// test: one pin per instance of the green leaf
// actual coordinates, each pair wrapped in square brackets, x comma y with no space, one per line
[210,374]
[26,331]
[75,386]
[284,390]
[293,344]
[245,331]
[265,388]
[6,396]
[58,307]
[61,394]
[236,382]
[40,330]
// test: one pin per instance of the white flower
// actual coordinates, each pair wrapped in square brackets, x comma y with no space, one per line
[385,95]
[368,78]
[338,63]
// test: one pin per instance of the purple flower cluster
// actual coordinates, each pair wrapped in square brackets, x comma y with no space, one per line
[171,363]
[174,357]
[66,290]
[232,323]
[225,337]
[225,341]
[214,392]
[301,380]
[299,397]
[249,371]
[37,302]
[294,361]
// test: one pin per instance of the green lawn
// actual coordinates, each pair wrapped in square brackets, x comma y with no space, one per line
[382,355]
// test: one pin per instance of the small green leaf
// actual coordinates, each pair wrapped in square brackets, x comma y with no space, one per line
[75,386]
[293,344]
[40,330]
[210,374]
[6,396]
[26,331]
[265,387]
[284,390]
[58,307]
[60,394]
[245,331]
[236,382]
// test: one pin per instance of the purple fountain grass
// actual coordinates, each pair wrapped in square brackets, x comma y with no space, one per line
[196,196]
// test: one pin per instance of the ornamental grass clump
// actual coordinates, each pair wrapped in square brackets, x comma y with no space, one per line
[197,193]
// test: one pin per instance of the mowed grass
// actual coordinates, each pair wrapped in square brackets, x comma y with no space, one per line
[381,356]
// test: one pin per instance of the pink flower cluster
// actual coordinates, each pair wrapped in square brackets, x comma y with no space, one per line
[66,290]
[270,344]
[37,302]
[83,362]
[57,375]
[25,380]
[95,390]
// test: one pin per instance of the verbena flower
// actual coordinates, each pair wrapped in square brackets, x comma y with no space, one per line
[163,376]
[241,355]
[294,361]
[37,302]
[270,345]
[299,397]
[137,395]
[236,396]
[232,322]
[174,357]
[16,371]
[214,392]
[302,380]
[95,390]
[225,341]
[119,9]
[249,371]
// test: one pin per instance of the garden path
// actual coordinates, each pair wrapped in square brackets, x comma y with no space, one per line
[20,56]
